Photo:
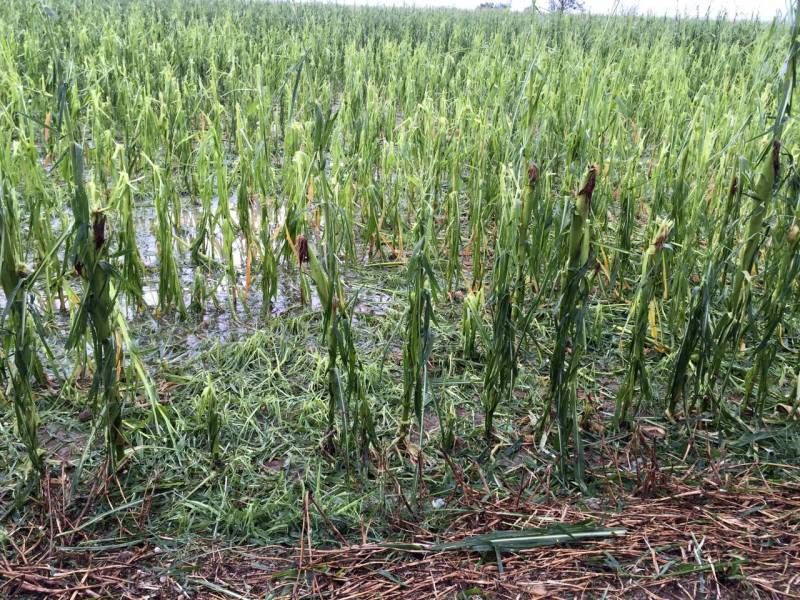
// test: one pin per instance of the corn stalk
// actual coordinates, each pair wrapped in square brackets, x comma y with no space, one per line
[570,334]
[640,311]
[96,313]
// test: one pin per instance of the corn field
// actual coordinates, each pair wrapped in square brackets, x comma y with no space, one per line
[271,270]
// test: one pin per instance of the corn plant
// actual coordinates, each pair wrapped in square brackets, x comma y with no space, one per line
[641,309]
[16,326]
[501,361]
[423,290]
[96,313]
[472,323]
[170,290]
[524,246]
[209,411]
[349,398]
[566,356]
[453,235]
[269,263]
[785,270]
[338,335]
[767,184]
[132,267]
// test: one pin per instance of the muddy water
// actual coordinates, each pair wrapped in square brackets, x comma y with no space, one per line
[167,337]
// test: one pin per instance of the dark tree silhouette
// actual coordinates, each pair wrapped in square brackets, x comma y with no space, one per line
[566,5]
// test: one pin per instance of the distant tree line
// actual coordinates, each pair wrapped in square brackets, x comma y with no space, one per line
[494,6]
[552,6]
[566,5]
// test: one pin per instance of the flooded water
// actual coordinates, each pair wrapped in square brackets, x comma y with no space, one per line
[231,310]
